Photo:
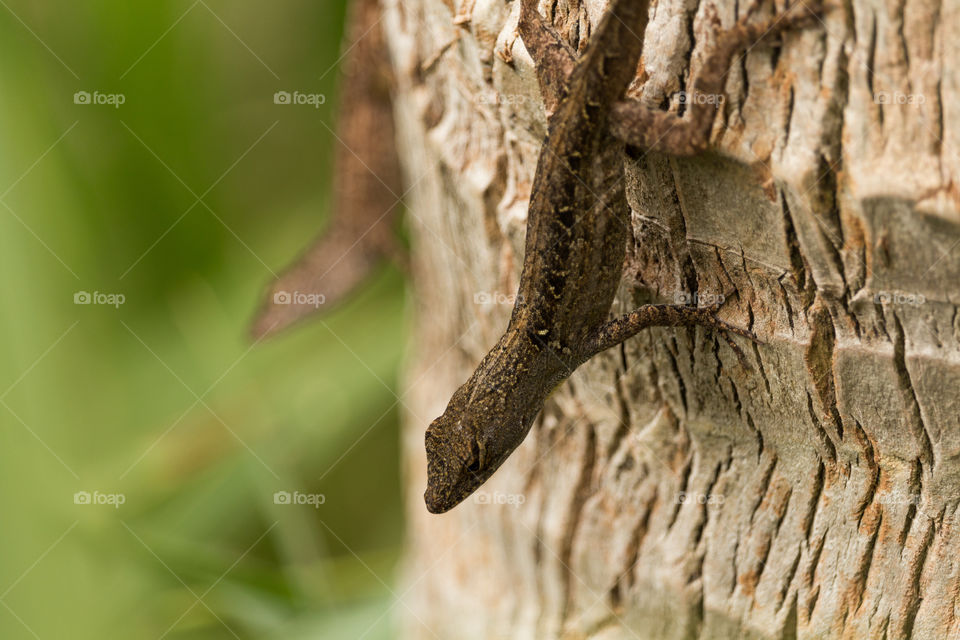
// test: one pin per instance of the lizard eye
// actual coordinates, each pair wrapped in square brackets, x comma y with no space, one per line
[476,459]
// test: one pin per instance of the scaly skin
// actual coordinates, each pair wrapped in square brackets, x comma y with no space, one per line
[577,230]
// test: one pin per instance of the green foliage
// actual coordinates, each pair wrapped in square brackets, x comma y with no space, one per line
[182,200]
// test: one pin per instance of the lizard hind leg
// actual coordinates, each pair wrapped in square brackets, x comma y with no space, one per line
[652,129]
[553,58]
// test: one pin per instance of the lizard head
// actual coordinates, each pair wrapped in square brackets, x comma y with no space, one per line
[465,445]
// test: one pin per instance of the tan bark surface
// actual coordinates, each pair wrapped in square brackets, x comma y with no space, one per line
[666,492]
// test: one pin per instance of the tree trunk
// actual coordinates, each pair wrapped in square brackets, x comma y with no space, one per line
[666,491]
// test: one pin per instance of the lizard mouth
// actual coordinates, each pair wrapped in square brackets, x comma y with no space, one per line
[450,478]
[433,502]
[439,473]
[440,495]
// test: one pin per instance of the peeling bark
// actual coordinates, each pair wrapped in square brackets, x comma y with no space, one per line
[665,492]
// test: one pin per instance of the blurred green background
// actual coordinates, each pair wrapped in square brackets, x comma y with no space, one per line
[162,402]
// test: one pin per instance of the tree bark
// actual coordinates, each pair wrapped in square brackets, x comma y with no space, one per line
[665,491]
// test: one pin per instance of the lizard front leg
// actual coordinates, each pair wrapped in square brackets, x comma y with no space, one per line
[663,315]
[652,129]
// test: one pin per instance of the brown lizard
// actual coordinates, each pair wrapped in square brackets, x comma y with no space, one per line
[577,230]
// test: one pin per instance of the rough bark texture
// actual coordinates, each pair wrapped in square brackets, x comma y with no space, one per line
[666,492]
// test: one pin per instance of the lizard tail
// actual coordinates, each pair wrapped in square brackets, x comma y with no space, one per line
[322,278]
[367,186]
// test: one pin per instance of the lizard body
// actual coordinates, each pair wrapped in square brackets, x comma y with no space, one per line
[577,230]
[578,223]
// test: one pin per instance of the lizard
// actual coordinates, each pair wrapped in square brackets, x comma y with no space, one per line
[578,225]
[365,186]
